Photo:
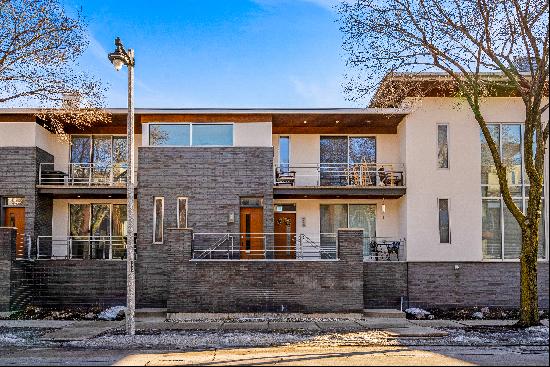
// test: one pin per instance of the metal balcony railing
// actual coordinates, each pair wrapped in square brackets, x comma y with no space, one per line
[384,249]
[81,247]
[340,174]
[84,174]
[264,246]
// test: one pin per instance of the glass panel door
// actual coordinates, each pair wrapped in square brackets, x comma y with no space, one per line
[333,216]
[81,157]
[79,230]
[333,159]
[284,154]
[364,216]
[100,229]
[362,161]
[118,230]
[101,156]
[119,159]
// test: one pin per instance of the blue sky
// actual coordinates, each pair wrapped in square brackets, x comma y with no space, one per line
[233,53]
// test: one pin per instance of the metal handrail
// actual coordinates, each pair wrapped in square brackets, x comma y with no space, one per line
[343,174]
[81,247]
[84,174]
[303,247]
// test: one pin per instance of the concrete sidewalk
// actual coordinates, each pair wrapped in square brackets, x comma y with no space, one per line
[64,331]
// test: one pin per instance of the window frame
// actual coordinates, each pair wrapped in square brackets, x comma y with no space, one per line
[446,124]
[190,124]
[450,242]
[155,240]
[289,150]
[178,210]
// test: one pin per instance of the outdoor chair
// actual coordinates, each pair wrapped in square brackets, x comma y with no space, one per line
[284,177]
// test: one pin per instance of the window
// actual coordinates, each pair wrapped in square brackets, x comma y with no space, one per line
[501,235]
[280,208]
[182,212]
[252,202]
[337,152]
[14,202]
[284,153]
[158,219]
[212,135]
[442,146]
[170,135]
[444,222]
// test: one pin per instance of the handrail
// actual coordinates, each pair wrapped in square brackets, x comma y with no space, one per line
[300,247]
[340,174]
[84,174]
[81,247]
[382,248]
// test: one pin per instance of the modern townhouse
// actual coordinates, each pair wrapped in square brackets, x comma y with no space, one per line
[310,210]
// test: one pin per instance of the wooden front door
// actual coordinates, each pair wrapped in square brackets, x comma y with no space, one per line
[15,217]
[252,238]
[285,235]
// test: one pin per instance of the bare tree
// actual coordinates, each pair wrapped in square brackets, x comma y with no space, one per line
[39,48]
[483,48]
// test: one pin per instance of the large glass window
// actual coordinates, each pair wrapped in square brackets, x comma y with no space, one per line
[212,135]
[442,146]
[340,154]
[170,135]
[501,234]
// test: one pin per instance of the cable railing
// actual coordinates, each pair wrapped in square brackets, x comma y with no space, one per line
[264,246]
[81,247]
[383,249]
[340,174]
[84,174]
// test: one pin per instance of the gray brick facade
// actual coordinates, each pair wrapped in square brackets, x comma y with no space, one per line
[212,179]
[385,283]
[439,284]
[19,168]
[265,286]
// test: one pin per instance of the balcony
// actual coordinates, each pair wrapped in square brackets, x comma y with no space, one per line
[83,180]
[358,180]
[81,248]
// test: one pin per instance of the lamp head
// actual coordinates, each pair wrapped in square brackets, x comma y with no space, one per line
[120,57]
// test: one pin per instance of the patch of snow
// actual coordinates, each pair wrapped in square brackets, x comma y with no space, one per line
[418,312]
[485,310]
[11,339]
[112,313]
[477,315]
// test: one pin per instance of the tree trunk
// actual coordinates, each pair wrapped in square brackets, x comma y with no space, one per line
[529,307]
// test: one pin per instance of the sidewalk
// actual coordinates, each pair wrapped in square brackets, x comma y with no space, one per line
[64,331]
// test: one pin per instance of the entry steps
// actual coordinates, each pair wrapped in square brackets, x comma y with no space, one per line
[151,314]
[386,313]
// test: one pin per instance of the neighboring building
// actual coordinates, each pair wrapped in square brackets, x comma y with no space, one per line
[258,188]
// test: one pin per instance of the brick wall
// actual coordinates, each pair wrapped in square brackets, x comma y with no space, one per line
[212,179]
[473,284]
[7,241]
[256,286]
[384,284]
[18,178]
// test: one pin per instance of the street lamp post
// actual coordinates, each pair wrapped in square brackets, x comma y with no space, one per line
[120,58]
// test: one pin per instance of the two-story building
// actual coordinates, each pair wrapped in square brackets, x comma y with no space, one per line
[247,209]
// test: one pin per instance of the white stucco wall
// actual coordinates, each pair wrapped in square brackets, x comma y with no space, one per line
[460,183]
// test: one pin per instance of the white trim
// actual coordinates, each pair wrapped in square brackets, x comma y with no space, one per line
[438,224]
[155,198]
[178,210]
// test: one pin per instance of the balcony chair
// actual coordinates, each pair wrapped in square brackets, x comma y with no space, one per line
[284,178]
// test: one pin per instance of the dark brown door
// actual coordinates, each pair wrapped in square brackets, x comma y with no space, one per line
[285,235]
[252,237]
[15,217]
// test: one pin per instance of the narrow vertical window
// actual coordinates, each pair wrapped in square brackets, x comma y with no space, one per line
[444,227]
[442,146]
[182,212]
[284,153]
[158,219]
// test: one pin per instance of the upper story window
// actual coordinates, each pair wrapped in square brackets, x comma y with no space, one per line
[501,234]
[98,149]
[184,135]
[442,146]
